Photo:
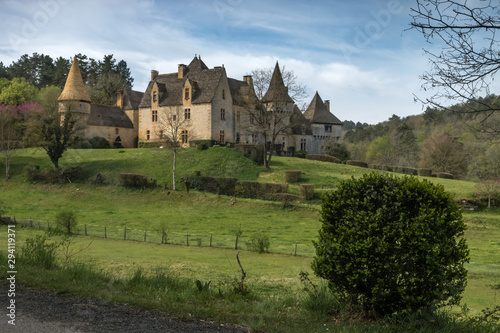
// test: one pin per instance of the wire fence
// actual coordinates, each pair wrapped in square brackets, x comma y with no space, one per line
[184,238]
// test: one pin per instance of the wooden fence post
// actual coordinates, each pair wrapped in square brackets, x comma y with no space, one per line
[125,233]
[85,229]
[187,239]
[105,234]
[144,235]
[295,249]
[210,239]
[31,223]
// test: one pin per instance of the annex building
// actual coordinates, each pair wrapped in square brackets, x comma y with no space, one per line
[202,103]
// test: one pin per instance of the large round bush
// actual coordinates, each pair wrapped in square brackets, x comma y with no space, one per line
[392,244]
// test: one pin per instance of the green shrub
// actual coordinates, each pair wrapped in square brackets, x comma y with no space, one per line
[98,142]
[259,242]
[292,176]
[66,221]
[37,252]
[201,146]
[357,163]
[392,244]
[207,143]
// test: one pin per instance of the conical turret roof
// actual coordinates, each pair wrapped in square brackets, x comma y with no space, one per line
[277,91]
[74,89]
[317,112]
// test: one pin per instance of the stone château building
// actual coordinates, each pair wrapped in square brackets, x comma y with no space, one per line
[115,123]
[202,103]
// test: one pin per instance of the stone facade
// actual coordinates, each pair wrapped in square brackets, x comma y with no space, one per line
[201,103]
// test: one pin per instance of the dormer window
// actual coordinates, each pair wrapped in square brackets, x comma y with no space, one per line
[328,128]
[155,96]
[186,93]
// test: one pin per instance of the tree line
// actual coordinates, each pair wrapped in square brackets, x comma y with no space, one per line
[102,78]
[445,140]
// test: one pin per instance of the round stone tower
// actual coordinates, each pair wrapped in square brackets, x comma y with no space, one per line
[74,98]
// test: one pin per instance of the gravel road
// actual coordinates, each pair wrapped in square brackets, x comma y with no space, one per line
[43,311]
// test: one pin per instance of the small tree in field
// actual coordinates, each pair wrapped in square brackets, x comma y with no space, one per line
[392,244]
[66,221]
[170,129]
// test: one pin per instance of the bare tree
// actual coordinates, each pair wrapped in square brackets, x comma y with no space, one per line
[470,58]
[262,78]
[488,189]
[170,129]
[10,137]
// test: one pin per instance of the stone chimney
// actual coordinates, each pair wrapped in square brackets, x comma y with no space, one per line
[182,71]
[327,104]
[248,80]
[154,74]
[119,98]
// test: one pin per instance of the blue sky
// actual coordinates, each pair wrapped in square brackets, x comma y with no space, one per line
[354,53]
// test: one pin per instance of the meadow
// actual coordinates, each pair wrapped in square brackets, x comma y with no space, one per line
[196,217]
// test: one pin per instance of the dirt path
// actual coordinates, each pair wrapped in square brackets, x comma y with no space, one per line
[43,311]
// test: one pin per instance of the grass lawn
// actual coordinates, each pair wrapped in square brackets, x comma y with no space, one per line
[203,215]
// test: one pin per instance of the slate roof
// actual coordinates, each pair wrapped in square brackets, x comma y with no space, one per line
[170,88]
[277,92]
[242,93]
[131,99]
[74,88]
[300,125]
[107,115]
[318,113]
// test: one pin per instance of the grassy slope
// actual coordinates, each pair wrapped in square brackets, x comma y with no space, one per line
[200,214]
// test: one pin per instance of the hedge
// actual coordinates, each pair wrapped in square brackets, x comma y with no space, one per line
[135,180]
[292,176]
[217,185]
[445,175]
[249,189]
[357,163]
[70,174]
[323,158]
[425,172]
[307,191]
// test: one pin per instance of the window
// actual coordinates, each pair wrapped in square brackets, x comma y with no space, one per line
[155,97]
[186,93]
[148,135]
[154,116]
[238,116]
[238,138]
[284,143]
[254,138]
[184,136]
[328,128]
[160,134]
[117,131]
[222,138]
[223,93]
[187,114]
[302,144]
[222,114]
[174,117]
